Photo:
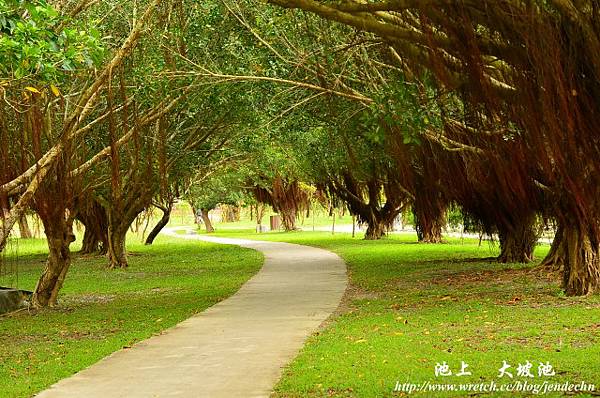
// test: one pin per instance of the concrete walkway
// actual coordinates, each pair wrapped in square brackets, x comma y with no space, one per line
[236,348]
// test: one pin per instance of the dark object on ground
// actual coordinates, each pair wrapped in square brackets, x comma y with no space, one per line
[13,299]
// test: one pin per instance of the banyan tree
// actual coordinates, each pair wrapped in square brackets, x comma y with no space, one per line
[497,190]
[56,131]
[95,220]
[373,201]
[286,197]
[533,66]
[56,198]
[418,177]
[355,169]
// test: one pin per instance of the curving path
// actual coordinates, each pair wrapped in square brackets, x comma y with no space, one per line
[237,347]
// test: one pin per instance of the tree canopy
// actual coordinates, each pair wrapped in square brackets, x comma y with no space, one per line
[490,107]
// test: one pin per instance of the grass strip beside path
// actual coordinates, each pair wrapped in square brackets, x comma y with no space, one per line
[102,311]
[412,306]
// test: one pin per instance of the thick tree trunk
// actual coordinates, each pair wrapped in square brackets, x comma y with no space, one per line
[375,230]
[518,242]
[369,209]
[122,212]
[553,260]
[429,210]
[117,253]
[429,233]
[288,219]
[577,252]
[90,243]
[52,203]
[260,212]
[429,229]
[24,230]
[429,223]
[161,223]
[206,220]
[59,236]
[581,259]
[95,237]
[94,242]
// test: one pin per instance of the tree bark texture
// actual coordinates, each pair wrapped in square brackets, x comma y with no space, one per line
[206,220]
[517,242]
[24,230]
[164,220]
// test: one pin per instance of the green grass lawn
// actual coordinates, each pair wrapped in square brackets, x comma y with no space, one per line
[101,311]
[412,306]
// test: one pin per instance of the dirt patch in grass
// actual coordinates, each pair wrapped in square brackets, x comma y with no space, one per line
[80,335]
[86,299]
